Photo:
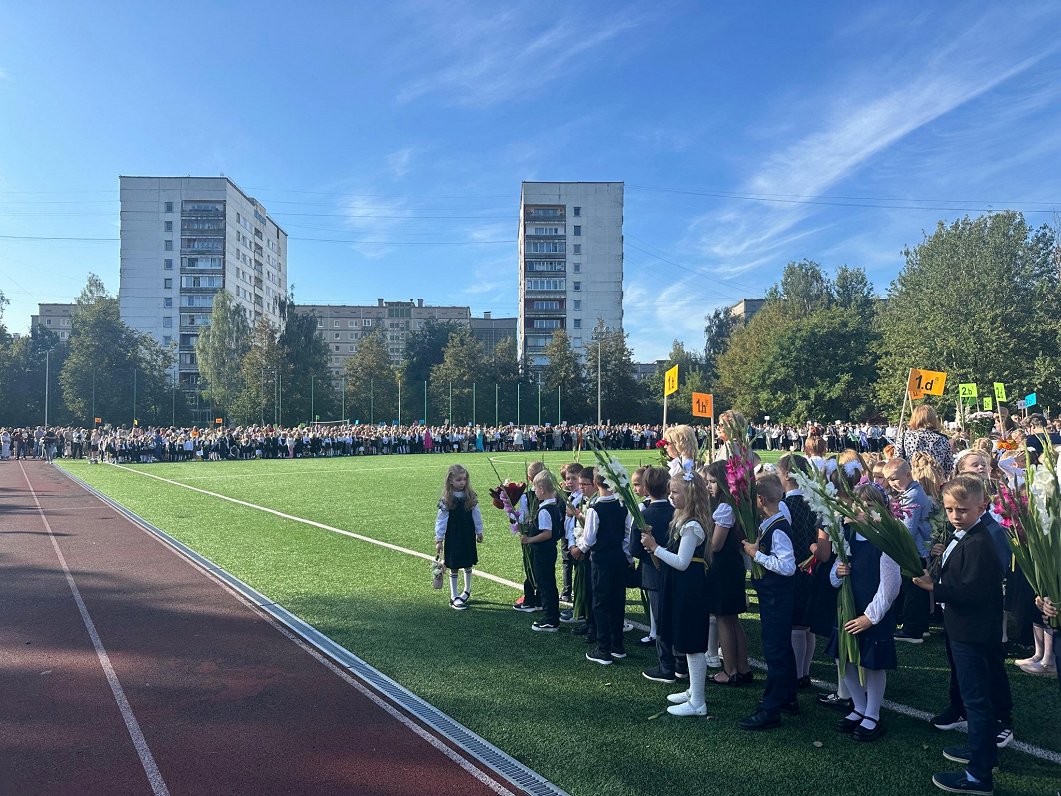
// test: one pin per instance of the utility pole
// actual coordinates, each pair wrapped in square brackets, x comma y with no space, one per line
[47,381]
[598,381]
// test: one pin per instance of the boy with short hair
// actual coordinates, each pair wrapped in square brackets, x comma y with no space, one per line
[917,507]
[547,530]
[776,590]
[970,589]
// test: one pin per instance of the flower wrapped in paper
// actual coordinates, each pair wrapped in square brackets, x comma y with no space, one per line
[1035,526]
[617,480]
[740,478]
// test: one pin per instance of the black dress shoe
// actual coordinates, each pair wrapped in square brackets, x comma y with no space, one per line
[836,703]
[803,682]
[847,726]
[746,678]
[760,720]
[791,708]
[868,736]
[581,630]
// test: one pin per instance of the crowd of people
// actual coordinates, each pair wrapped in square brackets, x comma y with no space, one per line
[693,563]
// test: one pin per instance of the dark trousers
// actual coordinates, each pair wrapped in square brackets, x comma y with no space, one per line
[972,663]
[543,562]
[565,567]
[775,618]
[1001,698]
[664,652]
[915,608]
[609,601]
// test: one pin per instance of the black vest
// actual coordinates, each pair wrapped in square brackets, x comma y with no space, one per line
[558,523]
[611,529]
[771,581]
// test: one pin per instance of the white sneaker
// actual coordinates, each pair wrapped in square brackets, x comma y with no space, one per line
[687,709]
[714,662]
[628,626]
[678,699]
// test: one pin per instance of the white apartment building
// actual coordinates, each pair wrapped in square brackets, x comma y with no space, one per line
[182,240]
[56,317]
[343,326]
[570,263]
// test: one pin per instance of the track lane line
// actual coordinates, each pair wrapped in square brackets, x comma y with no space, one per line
[147,760]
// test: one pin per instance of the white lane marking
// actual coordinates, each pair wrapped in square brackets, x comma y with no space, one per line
[315,524]
[154,776]
[906,710]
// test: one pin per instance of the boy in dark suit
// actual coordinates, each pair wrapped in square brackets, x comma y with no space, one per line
[970,589]
[776,589]
[658,514]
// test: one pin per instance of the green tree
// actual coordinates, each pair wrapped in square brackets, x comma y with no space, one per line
[720,325]
[979,299]
[463,364]
[565,372]
[622,398]
[264,376]
[22,375]
[111,370]
[309,392]
[371,380]
[220,350]
[424,349]
[503,374]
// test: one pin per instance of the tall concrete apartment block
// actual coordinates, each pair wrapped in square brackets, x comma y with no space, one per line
[570,263]
[182,240]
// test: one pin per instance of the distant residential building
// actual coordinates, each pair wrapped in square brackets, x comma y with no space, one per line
[745,309]
[490,330]
[55,317]
[646,370]
[570,263]
[342,326]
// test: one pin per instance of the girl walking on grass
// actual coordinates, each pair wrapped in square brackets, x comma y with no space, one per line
[458,527]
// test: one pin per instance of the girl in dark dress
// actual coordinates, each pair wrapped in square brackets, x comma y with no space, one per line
[727,598]
[458,527]
[684,616]
[875,580]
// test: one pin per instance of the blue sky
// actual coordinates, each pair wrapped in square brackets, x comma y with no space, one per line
[748,134]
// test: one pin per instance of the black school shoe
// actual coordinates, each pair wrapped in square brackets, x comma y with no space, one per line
[600,656]
[581,630]
[659,676]
[958,782]
[836,703]
[868,736]
[949,719]
[804,682]
[847,726]
[959,754]
[760,720]
[619,653]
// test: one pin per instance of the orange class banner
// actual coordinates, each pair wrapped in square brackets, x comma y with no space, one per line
[703,404]
[925,382]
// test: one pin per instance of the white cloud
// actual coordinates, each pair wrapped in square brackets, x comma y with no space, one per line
[400,161]
[480,60]
[372,218]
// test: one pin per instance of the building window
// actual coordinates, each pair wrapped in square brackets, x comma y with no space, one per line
[167,302]
[578,323]
[578,304]
[336,335]
[578,229]
[167,340]
[167,284]
[335,324]
[577,267]
[545,305]
[545,246]
[169,207]
[547,323]
[578,249]
[337,348]
[351,324]
[351,348]
[167,264]
[167,323]
[366,322]
[320,323]
[167,245]
[546,284]
[577,286]
[578,211]
[545,265]
[169,226]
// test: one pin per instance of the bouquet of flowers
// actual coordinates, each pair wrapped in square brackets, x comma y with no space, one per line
[437,570]
[886,530]
[506,496]
[942,533]
[979,424]
[740,478]
[820,495]
[618,480]
[1035,530]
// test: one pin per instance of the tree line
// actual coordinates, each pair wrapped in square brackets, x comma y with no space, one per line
[977,298]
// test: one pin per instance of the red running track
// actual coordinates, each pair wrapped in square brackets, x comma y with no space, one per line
[219,700]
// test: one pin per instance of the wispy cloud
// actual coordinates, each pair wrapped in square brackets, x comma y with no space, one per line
[861,119]
[400,161]
[372,218]
[475,59]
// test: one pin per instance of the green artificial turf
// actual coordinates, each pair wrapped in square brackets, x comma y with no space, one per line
[591,729]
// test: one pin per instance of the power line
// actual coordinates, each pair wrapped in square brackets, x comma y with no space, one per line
[311,240]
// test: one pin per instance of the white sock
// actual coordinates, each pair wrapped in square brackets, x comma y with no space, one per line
[453,584]
[468,581]
[712,638]
[1048,649]
[651,623]
[812,641]
[799,648]
[876,679]
[697,677]
[841,686]
[854,687]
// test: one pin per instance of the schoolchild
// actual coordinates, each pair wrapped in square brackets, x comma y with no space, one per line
[458,527]
[773,553]
[658,515]
[804,537]
[531,600]
[548,529]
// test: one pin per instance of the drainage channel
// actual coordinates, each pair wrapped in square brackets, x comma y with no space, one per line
[474,745]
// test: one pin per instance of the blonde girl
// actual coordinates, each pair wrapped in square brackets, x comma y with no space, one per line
[458,527]
[682,448]
[684,615]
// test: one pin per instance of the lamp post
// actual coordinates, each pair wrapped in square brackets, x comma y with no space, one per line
[598,381]
[539,397]
[47,382]
[497,388]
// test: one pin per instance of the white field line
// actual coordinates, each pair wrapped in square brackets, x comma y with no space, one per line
[906,710]
[136,735]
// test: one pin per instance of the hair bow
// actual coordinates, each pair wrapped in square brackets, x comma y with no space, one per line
[851,468]
[688,475]
[830,467]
